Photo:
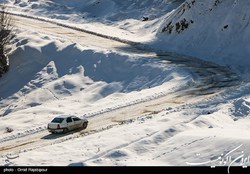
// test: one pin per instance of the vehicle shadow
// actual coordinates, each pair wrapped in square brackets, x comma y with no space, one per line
[51,136]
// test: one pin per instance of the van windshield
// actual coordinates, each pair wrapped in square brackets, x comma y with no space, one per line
[57,120]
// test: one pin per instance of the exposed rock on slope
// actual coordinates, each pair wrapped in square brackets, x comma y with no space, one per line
[216,30]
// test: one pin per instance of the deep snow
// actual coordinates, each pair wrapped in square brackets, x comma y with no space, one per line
[67,71]
[107,84]
[217,31]
[224,40]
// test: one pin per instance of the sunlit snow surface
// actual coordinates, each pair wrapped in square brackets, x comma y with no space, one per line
[142,110]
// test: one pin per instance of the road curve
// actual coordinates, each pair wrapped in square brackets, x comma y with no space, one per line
[208,79]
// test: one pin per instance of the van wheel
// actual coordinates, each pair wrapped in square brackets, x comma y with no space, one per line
[65,130]
[84,125]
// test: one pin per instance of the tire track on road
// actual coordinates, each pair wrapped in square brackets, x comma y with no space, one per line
[209,79]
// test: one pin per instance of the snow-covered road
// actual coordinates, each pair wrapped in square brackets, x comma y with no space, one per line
[208,79]
[65,34]
[210,76]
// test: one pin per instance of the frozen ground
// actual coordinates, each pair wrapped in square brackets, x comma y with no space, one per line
[143,108]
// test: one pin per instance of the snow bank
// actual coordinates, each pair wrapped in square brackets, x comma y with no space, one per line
[47,78]
[185,27]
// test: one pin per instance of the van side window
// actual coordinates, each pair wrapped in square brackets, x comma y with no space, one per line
[69,120]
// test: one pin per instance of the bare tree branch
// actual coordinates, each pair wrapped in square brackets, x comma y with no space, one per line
[6,30]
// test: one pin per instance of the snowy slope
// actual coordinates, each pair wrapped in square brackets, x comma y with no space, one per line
[215,30]
[44,72]
[124,19]
[142,110]
[113,10]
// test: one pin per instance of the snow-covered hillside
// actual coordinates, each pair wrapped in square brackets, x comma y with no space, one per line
[112,10]
[134,20]
[215,30]
[143,108]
